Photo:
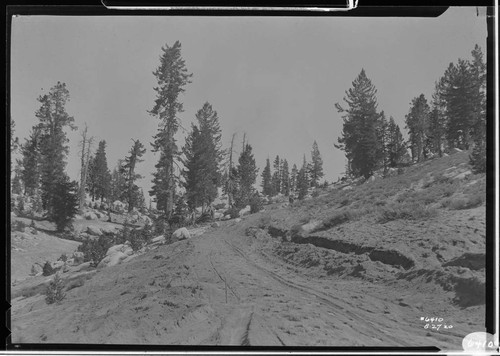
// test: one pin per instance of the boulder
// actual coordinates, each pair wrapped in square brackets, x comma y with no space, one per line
[109,229]
[237,220]
[78,258]
[218,216]
[115,255]
[36,270]
[158,240]
[57,265]
[181,234]
[311,226]
[90,216]
[112,260]
[94,230]
[226,217]
[462,175]
[215,224]
[244,211]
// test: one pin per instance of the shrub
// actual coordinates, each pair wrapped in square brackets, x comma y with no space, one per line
[136,240]
[63,258]
[315,193]
[18,225]
[405,211]
[95,250]
[55,290]
[255,204]
[265,221]
[65,204]
[234,212]
[463,203]
[47,269]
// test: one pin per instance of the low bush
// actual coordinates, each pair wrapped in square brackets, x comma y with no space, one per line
[18,225]
[462,203]
[55,290]
[95,250]
[255,204]
[233,212]
[47,269]
[405,211]
[265,221]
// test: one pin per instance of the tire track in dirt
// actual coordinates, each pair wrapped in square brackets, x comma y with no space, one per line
[325,299]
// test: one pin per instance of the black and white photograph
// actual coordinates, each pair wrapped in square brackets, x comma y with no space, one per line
[249,181]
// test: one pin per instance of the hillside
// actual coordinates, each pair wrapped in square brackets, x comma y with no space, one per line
[358,264]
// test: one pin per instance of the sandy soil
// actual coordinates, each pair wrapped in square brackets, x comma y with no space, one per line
[227,288]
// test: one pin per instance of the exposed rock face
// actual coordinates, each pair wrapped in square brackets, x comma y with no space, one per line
[90,216]
[245,211]
[94,230]
[115,255]
[181,234]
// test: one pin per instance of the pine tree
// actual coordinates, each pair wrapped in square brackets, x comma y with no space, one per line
[359,138]
[65,203]
[30,163]
[203,158]
[396,147]
[458,94]
[267,187]
[131,192]
[91,181]
[172,76]
[229,179]
[285,178]
[53,143]
[302,180]
[293,179]
[247,174]
[316,170]
[437,121]
[16,185]
[118,182]
[276,179]
[101,172]
[417,121]
[478,74]
[14,141]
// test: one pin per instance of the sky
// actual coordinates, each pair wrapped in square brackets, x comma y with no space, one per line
[276,79]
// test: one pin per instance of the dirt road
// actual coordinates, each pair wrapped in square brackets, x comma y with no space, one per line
[223,288]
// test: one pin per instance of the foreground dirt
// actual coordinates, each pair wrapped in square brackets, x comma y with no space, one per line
[227,288]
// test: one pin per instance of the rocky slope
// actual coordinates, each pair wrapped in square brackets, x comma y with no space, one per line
[358,265]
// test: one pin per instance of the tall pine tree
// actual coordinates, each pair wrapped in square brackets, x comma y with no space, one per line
[203,159]
[132,192]
[417,121]
[276,180]
[53,145]
[359,138]
[316,168]
[30,163]
[396,147]
[302,180]
[247,174]
[172,76]
[101,172]
[285,178]
[267,187]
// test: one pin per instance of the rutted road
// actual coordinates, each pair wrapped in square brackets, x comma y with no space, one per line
[268,304]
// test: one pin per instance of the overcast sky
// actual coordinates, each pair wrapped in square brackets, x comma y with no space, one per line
[275,78]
